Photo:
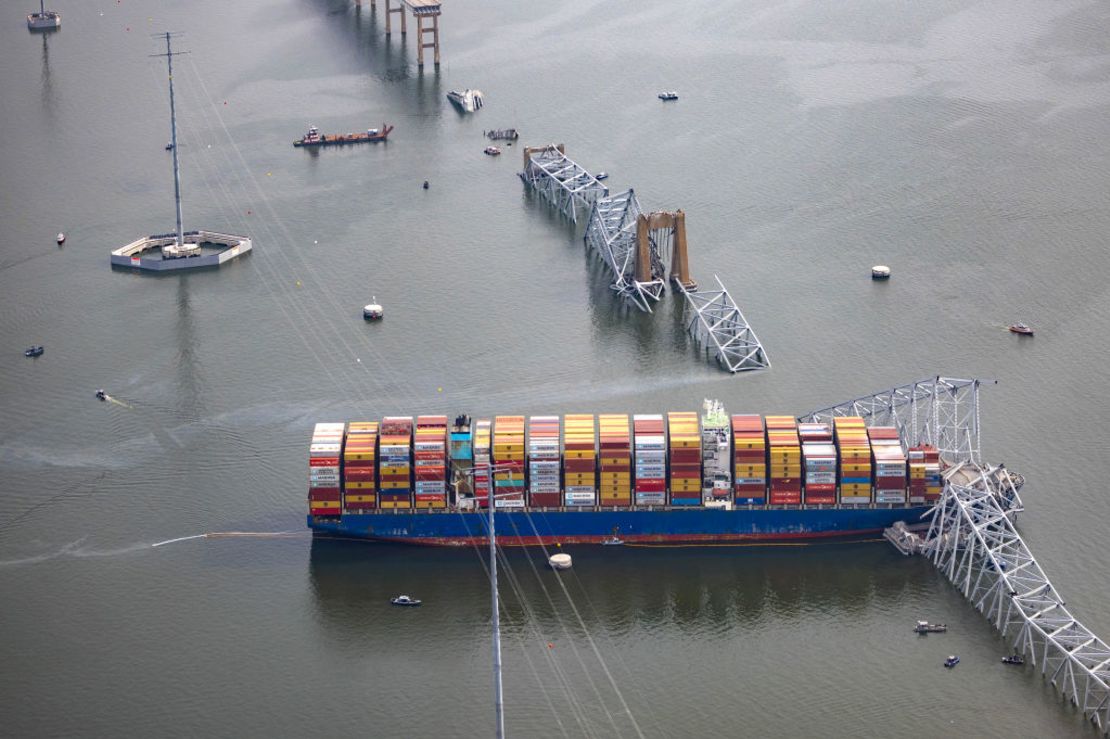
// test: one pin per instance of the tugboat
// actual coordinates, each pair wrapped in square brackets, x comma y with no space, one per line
[34,351]
[404,600]
[101,395]
[669,95]
[315,138]
[924,627]
[468,100]
[1013,660]
[492,151]
[952,661]
[1021,329]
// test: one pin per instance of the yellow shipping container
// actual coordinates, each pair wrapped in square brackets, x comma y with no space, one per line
[318,505]
[395,504]
[360,485]
[361,498]
[400,470]
[391,485]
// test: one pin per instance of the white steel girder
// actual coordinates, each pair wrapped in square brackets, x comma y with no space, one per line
[717,321]
[972,540]
[561,181]
[941,411]
[611,233]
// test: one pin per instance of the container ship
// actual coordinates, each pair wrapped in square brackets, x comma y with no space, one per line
[642,479]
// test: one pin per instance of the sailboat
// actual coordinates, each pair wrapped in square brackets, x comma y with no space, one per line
[44,20]
[181,249]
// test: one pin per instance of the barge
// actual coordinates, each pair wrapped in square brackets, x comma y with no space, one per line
[645,479]
[371,136]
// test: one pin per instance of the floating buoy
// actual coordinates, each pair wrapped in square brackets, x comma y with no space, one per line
[559,561]
[298,283]
[425,184]
[61,238]
[880,272]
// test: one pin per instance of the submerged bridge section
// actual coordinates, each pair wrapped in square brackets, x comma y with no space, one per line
[717,323]
[973,539]
[636,246]
[559,180]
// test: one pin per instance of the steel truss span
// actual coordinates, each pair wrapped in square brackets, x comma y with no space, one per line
[942,411]
[972,540]
[612,233]
[561,181]
[717,322]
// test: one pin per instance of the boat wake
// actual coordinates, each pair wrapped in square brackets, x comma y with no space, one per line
[238,535]
[73,549]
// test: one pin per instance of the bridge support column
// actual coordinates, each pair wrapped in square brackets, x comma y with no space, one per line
[680,261]
[421,33]
[389,11]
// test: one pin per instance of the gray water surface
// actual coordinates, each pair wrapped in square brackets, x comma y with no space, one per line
[963,143]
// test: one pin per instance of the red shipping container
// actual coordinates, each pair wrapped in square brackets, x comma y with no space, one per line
[650,486]
[548,500]
[359,474]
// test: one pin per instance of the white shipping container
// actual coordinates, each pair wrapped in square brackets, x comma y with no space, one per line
[507,503]
[651,498]
[581,497]
[581,489]
[890,473]
[751,481]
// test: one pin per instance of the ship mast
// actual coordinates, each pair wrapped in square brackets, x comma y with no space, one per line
[498,694]
[170,54]
[42,8]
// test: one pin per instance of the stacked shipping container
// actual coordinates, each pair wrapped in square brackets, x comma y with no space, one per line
[819,461]
[685,458]
[615,483]
[924,468]
[650,444]
[399,463]
[483,438]
[360,466]
[323,469]
[888,463]
[855,459]
[430,462]
[544,486]
[508,456]
[395,463]
[749,460]
[579,461]
[785,454]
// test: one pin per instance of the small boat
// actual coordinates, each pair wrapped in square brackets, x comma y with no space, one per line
[601,176]
[1013,660]
[426,185]
[315,138]
[61,238]
[468,100]
[169,146]
[924,627]
[101,395]
[559,561]
[952,661]
[404,600]
[373,311]
[44,20]
[492,151]
[669,95]
[612,541]
[1022,329]
[34,351]
[880,272]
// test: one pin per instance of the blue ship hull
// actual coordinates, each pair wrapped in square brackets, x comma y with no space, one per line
[659,526]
